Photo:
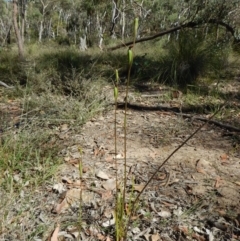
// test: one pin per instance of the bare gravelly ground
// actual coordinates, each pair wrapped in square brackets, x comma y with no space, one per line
[195,196]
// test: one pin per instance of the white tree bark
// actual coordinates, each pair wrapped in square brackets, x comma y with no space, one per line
[59,20]
[100,31]
[16,28]
[123,22]
[115,14]
[83,43]
[40,31]
[44,6]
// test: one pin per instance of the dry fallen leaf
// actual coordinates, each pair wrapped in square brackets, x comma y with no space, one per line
[106,195]
[237,183]
[189,189]
[76,155]
[164,214]
[178,212]
[199,189]
[102,175]
[73,161]
[176,94]
[77,183]
[73,196]
[200,170]
[109,184]
[198,237]
[138,187]
[217,182]
[109,158]
[67,158]
[224,157]
[161,176]
[155,237]
[59,188]
[55,233]
[108,223]
[61,206]
[108,238]
[96,152]
[66,180]
[119,156]
[153,155]
[64,127]
[202,166]
[184,230]
[101,237]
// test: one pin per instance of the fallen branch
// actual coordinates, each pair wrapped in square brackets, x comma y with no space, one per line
[178,111]
[149,108]
[5,85]
[216,123]
[172,30]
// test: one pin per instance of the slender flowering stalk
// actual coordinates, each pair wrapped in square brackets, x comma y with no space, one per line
[130,62]
[122,218]
[135,29]
[115,122]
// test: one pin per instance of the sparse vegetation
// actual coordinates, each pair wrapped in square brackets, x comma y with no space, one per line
[65,87]
[183,64]
[50,102]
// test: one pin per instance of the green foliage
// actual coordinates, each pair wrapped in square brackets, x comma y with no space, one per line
[236,47]
[189,57]
[64,61]
[67,70]
[120,217]
[28,154]
[73,17]
[11,71]
[4,10]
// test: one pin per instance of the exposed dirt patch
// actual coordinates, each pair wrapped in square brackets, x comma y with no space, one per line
[195,196]
[198,188]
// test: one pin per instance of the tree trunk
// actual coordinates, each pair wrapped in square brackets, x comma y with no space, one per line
[123,19]
[23,19]
[40,32]
[83,43]
[114,18]
[23,29]
[17,32]
[9,36]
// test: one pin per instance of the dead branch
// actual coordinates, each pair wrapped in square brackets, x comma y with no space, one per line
[172,30]
[179,112]
[216,123]
[5,85]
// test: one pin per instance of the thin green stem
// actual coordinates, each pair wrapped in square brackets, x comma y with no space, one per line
[116,166]
[125,132]
[115,140]
[80,163]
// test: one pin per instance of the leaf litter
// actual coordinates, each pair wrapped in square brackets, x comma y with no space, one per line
[188,192]
[195,196]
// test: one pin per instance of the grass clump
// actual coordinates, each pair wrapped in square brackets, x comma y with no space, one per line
[190,57]
[26,163]
[56,90]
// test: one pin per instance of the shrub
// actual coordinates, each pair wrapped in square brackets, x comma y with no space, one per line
[189,57]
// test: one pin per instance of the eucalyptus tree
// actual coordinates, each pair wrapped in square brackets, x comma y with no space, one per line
[22,9]
[102,19]
[16,28]
[168,17]
[5,22]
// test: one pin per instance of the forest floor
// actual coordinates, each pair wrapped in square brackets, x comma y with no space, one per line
[195,196]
